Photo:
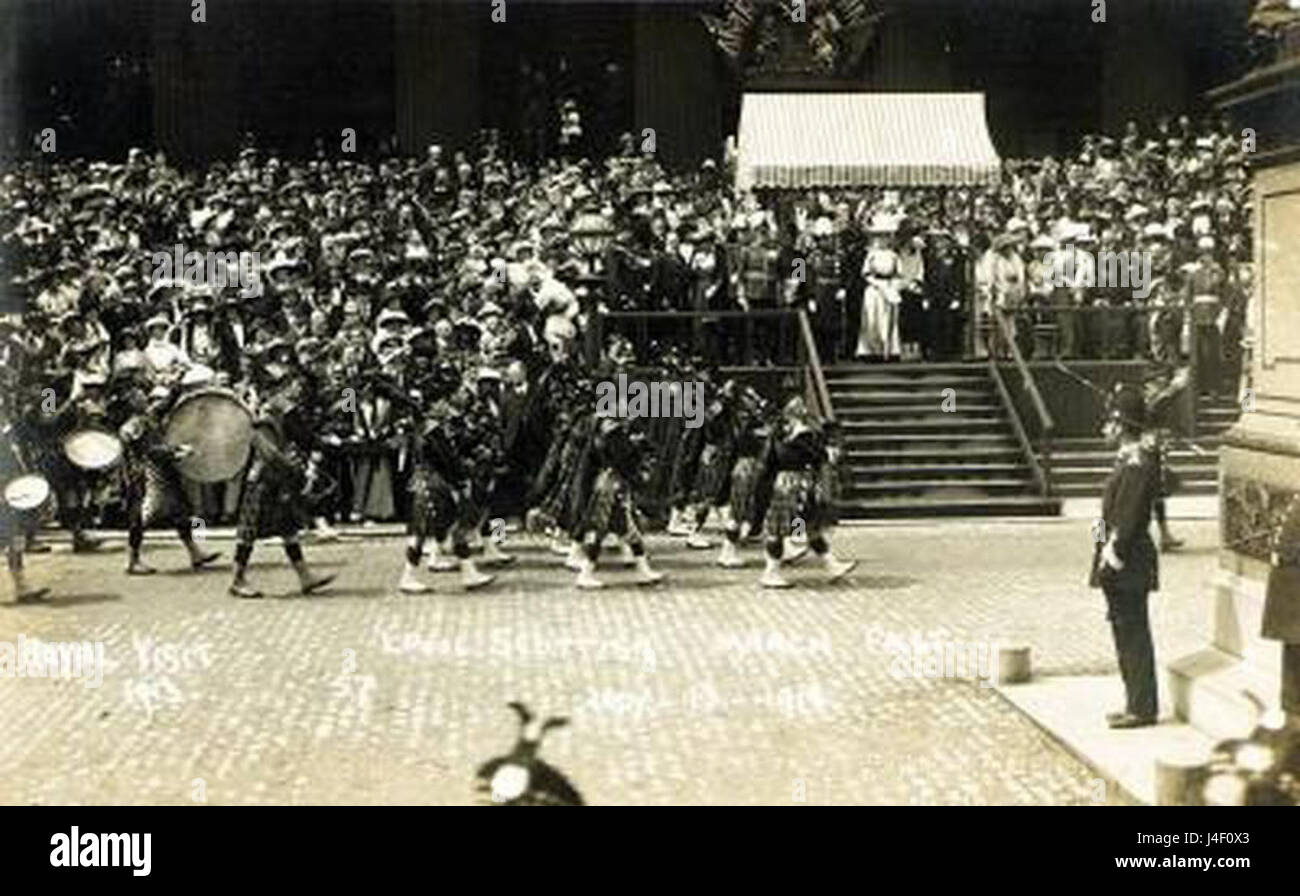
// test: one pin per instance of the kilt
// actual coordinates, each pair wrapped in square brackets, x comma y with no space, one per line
[612,508]
[271,503]
[579,488]
[744,482]
[433,505]
[154,489]
[800,494]
[713,476]
[686,466]
[826,495]
[556,502]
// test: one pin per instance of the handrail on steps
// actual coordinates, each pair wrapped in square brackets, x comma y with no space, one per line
[1047,426]
[814,368]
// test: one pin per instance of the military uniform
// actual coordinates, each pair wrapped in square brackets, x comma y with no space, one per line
[1282,602]
[827,293]
[1203,295]
[1132,489]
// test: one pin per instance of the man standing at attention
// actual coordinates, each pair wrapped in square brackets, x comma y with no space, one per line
[1125,564]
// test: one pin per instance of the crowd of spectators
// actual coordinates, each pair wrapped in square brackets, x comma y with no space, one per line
[354,258]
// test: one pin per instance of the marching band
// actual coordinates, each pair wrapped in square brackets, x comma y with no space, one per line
[767,469]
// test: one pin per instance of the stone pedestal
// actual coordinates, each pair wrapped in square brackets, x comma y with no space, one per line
[1221,688]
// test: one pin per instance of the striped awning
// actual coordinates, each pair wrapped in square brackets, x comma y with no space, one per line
[799,140]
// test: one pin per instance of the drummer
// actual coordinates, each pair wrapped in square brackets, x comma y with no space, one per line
[47,425]
[151,482]
[11,520]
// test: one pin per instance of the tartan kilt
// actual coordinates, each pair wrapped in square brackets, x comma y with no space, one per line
[612,508]
[578,489]
[713,478]
[796,494]
[271,504]
[433,505]
[686,465]
[556,501]
[827,495]
[156,490]
[744,485]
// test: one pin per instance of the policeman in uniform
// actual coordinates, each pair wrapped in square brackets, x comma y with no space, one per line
[1282,603]
[1125,564]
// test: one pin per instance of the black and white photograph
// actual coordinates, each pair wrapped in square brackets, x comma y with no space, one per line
[770,403]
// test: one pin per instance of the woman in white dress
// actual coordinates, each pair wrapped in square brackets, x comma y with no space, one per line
[878,338]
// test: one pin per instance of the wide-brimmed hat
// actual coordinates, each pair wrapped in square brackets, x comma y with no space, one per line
[882,224]
[391,316]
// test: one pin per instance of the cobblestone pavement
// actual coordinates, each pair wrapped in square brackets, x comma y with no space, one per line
[703,690]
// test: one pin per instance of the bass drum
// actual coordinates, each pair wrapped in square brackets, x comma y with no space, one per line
[92,449]
[219,429]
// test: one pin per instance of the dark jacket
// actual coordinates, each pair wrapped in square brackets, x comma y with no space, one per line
[1131,491]
[1282,599]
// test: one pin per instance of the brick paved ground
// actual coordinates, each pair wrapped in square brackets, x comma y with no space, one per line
[703,691]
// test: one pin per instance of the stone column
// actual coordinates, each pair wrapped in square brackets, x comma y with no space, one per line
[1259,466]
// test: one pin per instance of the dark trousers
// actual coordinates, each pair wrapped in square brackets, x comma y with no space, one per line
[1291,678]
[1129,623]
[1209,366]
[946,329]
[1069,325]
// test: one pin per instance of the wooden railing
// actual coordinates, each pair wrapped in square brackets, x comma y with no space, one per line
[819,396]
[1041,469]
[1043,328]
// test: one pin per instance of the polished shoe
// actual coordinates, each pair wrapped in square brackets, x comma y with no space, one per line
[1128,720]
[140,569]
[33,596]
[242,590]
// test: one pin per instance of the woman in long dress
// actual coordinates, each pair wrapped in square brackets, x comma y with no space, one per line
[878,338]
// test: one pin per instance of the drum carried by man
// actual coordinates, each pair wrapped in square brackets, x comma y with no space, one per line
[151,474]
[24,494]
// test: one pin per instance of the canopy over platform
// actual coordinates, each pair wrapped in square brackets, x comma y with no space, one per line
[805,140]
